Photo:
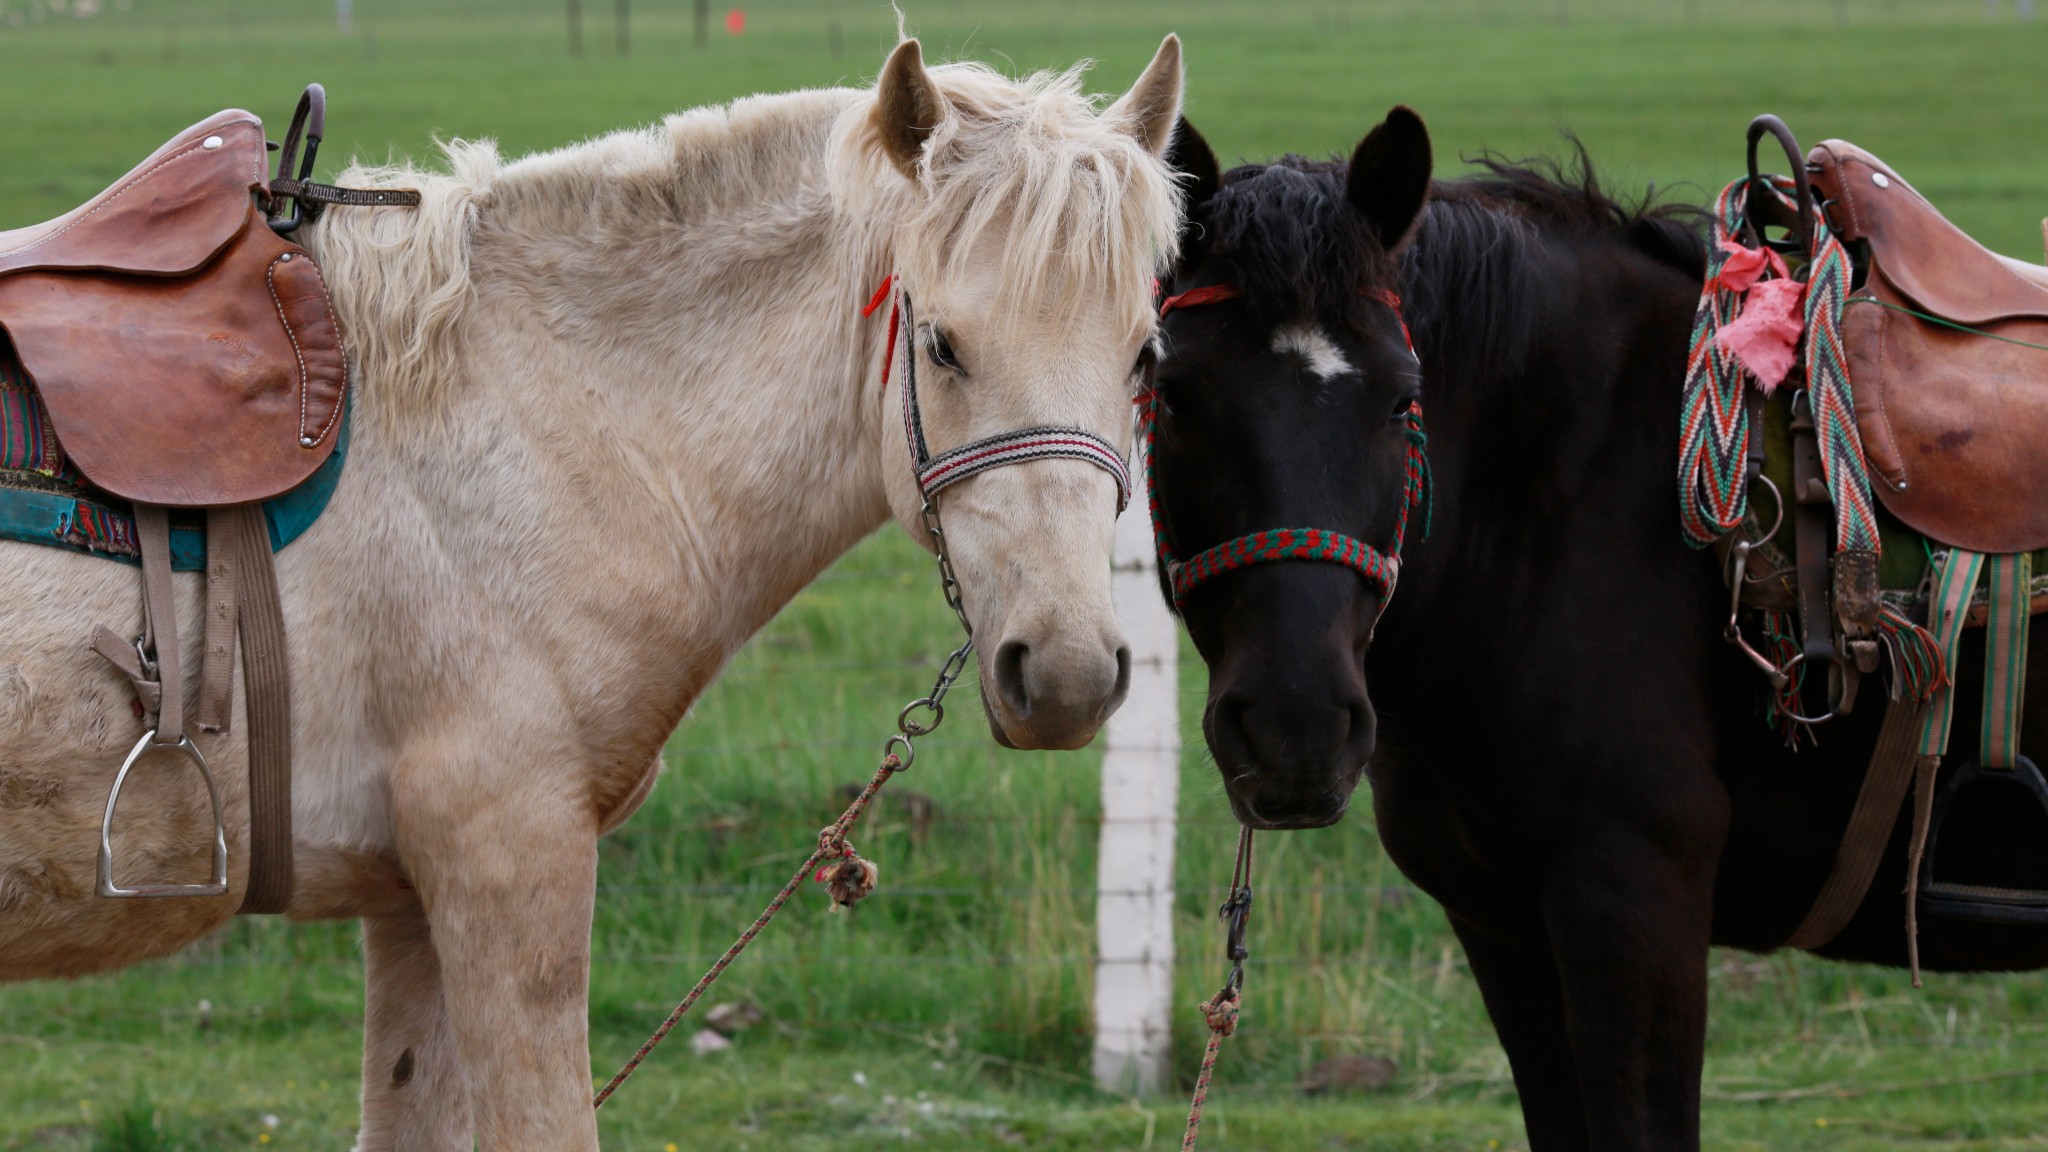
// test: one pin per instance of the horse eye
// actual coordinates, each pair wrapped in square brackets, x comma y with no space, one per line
[941,350]
[1403,409]
[1148,359]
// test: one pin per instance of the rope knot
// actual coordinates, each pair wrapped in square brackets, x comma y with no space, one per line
[850,880]
[1221,1012]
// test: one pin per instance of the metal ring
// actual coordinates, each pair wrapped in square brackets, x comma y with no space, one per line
[1777,503]
[1795,717]
[909,727]
[890,745]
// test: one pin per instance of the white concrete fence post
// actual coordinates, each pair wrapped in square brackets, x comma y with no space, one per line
[1140,801]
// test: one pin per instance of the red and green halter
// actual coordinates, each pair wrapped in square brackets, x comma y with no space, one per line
[1380,569]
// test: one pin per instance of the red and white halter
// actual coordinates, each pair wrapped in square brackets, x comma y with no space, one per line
[1380,569]
[935,473]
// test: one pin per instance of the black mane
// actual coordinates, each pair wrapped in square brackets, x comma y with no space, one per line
[1471,279]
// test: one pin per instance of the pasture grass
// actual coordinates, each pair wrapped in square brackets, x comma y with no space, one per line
[953,1009]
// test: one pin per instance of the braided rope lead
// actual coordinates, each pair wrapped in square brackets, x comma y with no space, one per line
[1220,1011]
[849,880]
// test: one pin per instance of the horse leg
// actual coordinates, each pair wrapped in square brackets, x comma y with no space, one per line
[1629,924]
[414,1096]
[1520,986]
[507,870]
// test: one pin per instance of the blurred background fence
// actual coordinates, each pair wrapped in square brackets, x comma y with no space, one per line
[955,1005]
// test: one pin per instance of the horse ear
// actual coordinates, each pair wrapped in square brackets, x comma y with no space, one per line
[1389,177]
[907,106]
[1152,105]
[1192,157]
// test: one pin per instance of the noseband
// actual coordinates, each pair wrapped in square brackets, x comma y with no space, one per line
[935,473]
[1380,569]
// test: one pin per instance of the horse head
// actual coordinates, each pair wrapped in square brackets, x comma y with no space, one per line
[1285,424]
[1024,249]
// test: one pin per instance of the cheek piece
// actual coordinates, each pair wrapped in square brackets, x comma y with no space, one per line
[1380,569]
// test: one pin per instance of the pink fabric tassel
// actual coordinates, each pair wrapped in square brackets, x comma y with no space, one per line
[1765,338]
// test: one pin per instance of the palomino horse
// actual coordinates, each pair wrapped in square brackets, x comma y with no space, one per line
[1575,767]
[613,406]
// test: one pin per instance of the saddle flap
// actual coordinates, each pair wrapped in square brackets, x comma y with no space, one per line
[172,214]
[1931,263]
[1954,424]
[214,389]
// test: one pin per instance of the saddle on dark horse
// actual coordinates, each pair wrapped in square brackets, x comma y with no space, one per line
[1931,353]
[183,352]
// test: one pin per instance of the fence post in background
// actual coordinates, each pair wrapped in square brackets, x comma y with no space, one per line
[344,15]
[700,24]
[623,17]
[1140,801]
[575,27]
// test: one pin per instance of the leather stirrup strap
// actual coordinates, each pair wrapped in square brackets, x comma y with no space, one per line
[267,696]
[1910,737]
[217,660]
[1870,827]
[160,619]
[1810,521]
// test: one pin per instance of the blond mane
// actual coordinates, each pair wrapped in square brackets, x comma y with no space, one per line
[1083,204]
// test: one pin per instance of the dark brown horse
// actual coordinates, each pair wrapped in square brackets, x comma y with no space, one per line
[1569,758]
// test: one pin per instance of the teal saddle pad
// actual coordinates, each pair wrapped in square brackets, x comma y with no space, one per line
[44,499]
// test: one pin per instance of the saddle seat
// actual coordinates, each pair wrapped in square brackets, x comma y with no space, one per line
[1954,423]
[185,352]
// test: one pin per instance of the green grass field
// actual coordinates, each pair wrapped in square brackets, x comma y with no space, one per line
[953,1010]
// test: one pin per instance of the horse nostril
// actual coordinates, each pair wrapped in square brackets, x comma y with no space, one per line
[1010,683]
[1123,674]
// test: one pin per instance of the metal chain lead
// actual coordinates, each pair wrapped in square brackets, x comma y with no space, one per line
[933,702]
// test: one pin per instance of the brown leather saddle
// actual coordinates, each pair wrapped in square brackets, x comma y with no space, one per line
[1954,422]
[188,358]
[1946,346]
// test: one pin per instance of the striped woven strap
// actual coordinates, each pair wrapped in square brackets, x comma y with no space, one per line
[1957,577]
[1021,447]
[1714,430]
[1379,569]
[2005,658]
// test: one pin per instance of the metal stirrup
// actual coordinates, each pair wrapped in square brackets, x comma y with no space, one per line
[218,886]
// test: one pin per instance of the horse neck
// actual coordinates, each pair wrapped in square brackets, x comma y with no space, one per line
[1550,467]
[667,423]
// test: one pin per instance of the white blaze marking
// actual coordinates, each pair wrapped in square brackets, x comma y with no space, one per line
[1309,343]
